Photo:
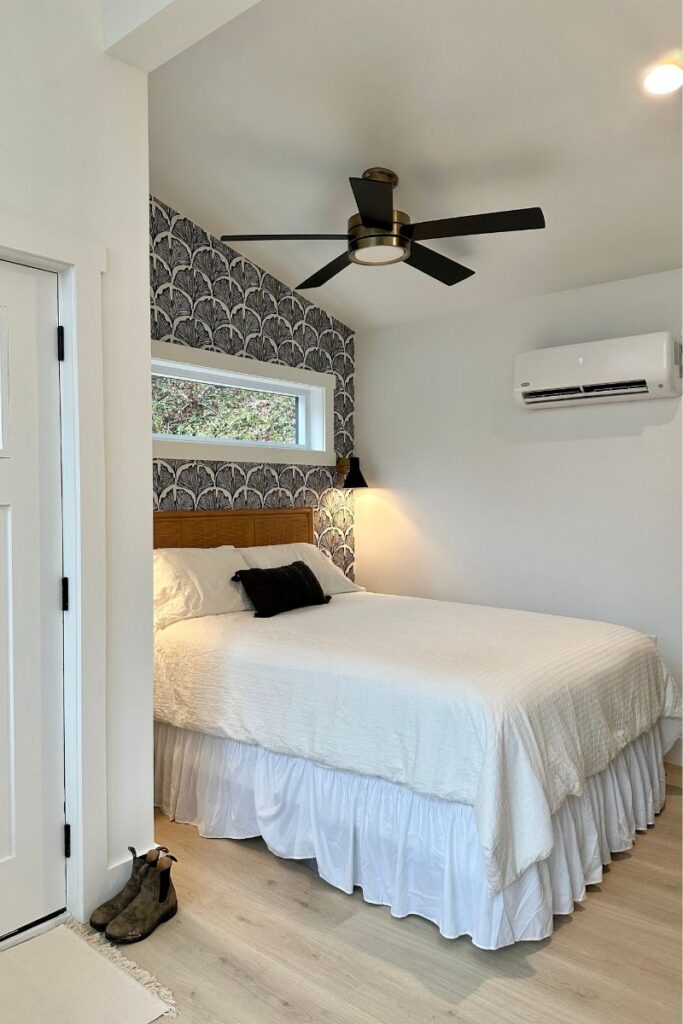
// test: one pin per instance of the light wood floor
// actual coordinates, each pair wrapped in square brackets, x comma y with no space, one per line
[263,941]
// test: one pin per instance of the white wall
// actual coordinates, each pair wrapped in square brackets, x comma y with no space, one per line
[572,511]
[147,33]
[124,16]
[74,178]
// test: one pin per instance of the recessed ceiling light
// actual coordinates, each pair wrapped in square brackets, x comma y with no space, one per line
[664,78]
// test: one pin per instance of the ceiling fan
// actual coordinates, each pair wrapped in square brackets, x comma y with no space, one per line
[378,234]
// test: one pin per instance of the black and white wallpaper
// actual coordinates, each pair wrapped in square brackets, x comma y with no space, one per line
[205,295]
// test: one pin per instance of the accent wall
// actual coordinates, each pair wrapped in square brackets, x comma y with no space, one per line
[205,295]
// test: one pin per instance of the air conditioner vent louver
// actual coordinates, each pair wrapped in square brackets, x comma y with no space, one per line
[622,387]
[547,394]
[576,393]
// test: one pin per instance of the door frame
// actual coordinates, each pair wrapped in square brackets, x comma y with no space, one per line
[79,263]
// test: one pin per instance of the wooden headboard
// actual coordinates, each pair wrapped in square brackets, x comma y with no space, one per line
[243,528]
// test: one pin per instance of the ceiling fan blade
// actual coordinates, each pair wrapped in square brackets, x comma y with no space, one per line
[326,272]
[274,238]
[375,201]
[440,267]
[479,224]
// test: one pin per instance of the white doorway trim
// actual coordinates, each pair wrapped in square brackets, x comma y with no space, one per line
[79,264]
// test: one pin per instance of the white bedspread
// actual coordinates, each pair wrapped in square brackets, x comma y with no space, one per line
[505,710]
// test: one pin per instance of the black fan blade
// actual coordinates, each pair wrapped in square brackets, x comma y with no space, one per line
[274,238]
[326,272]
[478,224]
[438,266]
[375,202]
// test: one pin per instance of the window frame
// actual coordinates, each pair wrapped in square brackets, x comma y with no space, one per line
[314,391]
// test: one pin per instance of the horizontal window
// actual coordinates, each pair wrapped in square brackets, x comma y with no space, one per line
[209,405]
[222,412]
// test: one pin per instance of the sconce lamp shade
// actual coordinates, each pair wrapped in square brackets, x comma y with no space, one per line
[354,477]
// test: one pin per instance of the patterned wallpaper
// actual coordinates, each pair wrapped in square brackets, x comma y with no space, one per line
[205,295]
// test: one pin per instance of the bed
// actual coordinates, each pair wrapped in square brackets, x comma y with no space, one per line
[475,766]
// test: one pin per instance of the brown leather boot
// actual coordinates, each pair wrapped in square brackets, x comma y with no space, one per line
[100,918]
[156,902]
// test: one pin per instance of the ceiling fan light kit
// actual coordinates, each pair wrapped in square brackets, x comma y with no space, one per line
[379,235]
[372,247]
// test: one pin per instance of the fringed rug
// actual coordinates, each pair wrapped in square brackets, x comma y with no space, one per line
[72,974]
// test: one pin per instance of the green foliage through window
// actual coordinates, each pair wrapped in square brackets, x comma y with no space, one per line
[188,408]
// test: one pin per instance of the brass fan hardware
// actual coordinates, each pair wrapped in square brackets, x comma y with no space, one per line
[381,174]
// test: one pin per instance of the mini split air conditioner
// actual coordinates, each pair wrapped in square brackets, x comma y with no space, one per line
[618,370]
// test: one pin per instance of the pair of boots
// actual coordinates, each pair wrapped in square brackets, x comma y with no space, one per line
[147,899]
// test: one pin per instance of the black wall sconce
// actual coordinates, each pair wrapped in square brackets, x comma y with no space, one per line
[349,469]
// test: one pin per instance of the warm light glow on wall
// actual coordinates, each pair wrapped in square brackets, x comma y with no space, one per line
[665,77]
[390,542]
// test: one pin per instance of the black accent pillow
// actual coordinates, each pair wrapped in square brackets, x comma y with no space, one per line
[272,591]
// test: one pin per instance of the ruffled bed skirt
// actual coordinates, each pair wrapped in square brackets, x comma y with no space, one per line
[413,853]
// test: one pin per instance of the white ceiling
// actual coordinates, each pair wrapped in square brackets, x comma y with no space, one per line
[476,105]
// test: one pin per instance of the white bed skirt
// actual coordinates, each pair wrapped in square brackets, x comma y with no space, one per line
[413,853]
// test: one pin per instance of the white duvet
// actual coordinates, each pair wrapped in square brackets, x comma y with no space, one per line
[505,710]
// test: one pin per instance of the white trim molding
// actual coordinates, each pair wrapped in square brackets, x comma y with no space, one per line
[315,446]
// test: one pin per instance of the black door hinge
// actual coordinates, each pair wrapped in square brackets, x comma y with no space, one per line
[67,840]
[60,343]
[65,593]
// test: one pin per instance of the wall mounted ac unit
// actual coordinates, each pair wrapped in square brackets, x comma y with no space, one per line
[618,370]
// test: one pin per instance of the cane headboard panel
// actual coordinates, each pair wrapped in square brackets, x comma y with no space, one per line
[242,528]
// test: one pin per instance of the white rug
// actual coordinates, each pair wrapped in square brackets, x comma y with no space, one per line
[60,977]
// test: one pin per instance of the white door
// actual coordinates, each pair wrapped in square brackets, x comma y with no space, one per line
[32,865]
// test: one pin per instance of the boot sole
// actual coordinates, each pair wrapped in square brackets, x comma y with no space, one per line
[124,941]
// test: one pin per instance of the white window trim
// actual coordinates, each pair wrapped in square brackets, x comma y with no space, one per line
[317,390]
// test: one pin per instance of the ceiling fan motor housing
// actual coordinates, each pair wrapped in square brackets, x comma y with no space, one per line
[361,239]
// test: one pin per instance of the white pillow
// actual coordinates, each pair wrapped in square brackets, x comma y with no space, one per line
[191,582]
[270,556]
